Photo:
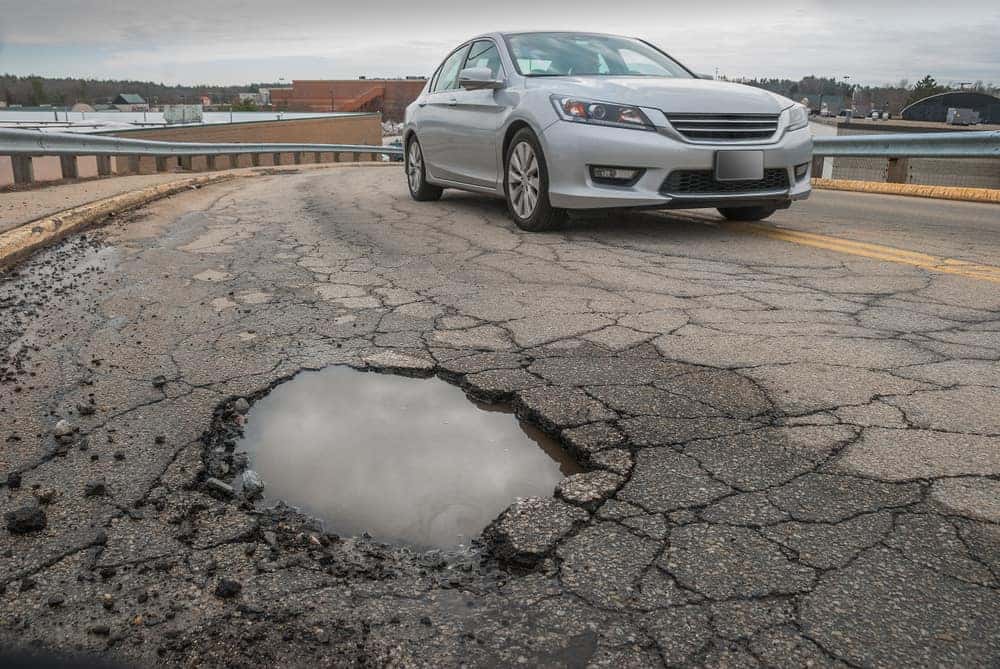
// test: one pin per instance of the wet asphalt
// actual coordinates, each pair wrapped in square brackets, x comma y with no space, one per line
[791,456]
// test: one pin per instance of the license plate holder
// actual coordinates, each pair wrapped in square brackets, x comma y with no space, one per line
[739,165]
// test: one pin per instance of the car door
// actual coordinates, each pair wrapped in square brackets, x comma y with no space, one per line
[475,120]
[437,114]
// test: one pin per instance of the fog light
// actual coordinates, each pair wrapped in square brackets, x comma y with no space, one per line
[801,171]
[618,176]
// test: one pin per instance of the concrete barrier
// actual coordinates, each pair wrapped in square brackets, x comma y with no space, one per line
[986,195]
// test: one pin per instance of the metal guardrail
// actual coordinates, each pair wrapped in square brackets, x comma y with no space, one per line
[36,143]
[902,145]
[23,145]
[911,145]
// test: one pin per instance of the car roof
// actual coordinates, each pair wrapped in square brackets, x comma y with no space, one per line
[508,33]
[559,32]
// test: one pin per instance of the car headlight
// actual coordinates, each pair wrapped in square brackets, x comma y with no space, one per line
[798,117]
[600,113]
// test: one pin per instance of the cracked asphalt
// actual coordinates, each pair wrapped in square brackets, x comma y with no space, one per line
[791,455]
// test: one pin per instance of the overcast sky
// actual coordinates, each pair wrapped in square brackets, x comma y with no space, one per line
[239,41]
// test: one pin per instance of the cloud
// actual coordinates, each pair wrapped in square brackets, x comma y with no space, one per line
[234,41]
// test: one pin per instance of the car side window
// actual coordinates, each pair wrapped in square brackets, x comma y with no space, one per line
[484,54]
[447,77]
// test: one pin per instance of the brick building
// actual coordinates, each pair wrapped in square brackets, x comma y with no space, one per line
[389,96]
[361,129]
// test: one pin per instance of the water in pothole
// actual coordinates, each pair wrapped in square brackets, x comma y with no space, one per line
[406,460]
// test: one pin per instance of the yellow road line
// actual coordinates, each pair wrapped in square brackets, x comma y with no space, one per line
[873,251]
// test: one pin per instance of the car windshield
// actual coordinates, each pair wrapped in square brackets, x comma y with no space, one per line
[576,54]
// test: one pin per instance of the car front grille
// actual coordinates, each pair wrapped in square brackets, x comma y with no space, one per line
[724,127]
[703,182]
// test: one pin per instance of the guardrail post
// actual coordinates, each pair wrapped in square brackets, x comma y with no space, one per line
[69,168]
[277,159]
[24,171]
[317,157]
[336,156]
[161,163]
[357,156]
[255,159]
[818,162]
[210,163]
[103,166]
[297,157]
[898,171]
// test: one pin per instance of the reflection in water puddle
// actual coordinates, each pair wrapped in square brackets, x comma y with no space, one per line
[404,459]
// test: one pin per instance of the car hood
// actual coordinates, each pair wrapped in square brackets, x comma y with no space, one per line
[672,96]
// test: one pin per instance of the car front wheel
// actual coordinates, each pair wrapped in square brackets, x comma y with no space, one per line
[526,184]
[747,213]
[416,174]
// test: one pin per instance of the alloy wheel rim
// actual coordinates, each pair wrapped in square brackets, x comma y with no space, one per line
[523,180]
[414,166]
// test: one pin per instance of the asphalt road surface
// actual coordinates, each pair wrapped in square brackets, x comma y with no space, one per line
[792,443]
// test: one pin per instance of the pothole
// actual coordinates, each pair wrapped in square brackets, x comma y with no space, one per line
[406,460]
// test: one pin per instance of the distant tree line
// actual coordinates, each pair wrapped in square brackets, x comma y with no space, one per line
[891,98]
[34,91]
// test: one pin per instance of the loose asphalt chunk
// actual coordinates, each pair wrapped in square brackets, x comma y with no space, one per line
[528,530]
[25,520]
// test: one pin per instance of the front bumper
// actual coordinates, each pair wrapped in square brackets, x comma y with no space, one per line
[571,148]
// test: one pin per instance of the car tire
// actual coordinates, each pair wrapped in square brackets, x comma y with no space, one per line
[416,174]
[526,185]
[747,214]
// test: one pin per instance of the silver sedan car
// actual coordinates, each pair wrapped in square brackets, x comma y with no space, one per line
[558,121]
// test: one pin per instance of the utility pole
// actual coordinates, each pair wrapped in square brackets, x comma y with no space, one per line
[847,80]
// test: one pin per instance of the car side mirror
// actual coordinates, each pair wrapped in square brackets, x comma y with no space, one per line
[478,78]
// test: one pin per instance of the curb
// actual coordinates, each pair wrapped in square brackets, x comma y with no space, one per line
[24,240]
[988,195]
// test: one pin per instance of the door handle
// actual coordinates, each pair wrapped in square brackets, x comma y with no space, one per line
[421,104]
[452,102]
